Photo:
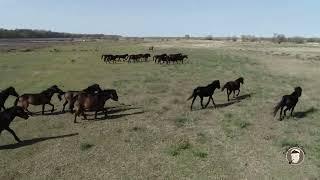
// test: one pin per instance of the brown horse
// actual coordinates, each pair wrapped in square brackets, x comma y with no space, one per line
[69,96]
[93,102]
[233,86]
[42,98]
[5,94]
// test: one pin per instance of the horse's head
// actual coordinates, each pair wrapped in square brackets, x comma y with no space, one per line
[298,90]
[19,111]
[216,83]
[11,91]
[240,80]
[55,89]
[111,93]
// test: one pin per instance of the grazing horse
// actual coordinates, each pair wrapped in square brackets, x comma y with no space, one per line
[7,116]
[69,96]
[206,91]
[233,86]
[93,102]
[42,98]
[289,101]
[5,94]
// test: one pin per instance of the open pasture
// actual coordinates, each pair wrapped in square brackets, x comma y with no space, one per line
[151,132]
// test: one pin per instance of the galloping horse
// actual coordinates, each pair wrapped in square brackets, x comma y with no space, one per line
[289,101]
[42,98]
[93,102]
[233,86]
[206,91]
[69,96]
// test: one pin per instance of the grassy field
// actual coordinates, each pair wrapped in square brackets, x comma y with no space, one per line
[151,132]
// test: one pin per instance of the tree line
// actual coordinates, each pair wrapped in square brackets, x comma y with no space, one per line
[31,33]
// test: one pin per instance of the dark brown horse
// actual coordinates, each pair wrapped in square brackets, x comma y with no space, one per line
[93,102]
[233,86]
[289,101]
[69,96]
[206,91]
[123,57]
[5,94]
[42,98]
[7,116]
[158,58]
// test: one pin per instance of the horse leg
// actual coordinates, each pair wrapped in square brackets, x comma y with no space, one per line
[105,112]
[292,110]
[234,93]
[13,133]
[95,115]
[228,92]
[75,116]
[208,102]
[214,104]
[84,115]
[285,111]
[43,106]
[281,113]
[51,106]
[238,92]
[64,106]
[194,98]
[202,102]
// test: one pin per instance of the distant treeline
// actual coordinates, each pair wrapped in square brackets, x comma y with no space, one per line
[277,38]
[30,33]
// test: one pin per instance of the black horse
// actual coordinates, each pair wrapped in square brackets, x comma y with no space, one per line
[289,101]
[5,94]
[205,92]
[7,116]
[233,86]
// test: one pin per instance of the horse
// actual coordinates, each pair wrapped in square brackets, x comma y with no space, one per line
[206,91]
[157,57]
[93,102]
[288,101]
[233,86]
[105,57]
[145,56]
[42,98]
[7,116]
[123,57]
[5,94]
[151,48]
[134,57]
[69,96]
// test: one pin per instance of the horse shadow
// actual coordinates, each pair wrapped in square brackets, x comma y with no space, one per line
[34,141]
[303,114]
[242,97]
[117,116]
[227,104]
[48,113]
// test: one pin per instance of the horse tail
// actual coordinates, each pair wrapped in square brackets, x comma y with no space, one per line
[193,94]
[277,107]
[225,86]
